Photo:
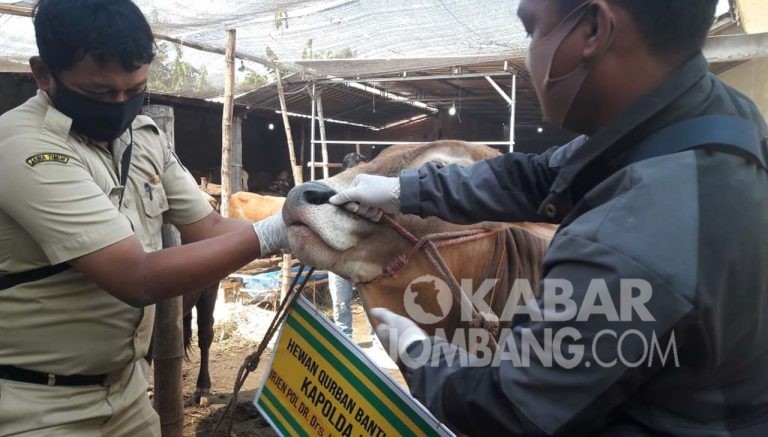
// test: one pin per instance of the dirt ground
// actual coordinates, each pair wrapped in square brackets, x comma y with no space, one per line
[226,359]
[226,356]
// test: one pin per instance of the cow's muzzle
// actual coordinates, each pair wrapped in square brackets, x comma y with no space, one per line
[302,196]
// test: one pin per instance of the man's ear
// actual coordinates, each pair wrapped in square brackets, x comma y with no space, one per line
[41,73]
[601,27]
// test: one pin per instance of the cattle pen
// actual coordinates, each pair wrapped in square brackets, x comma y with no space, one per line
[260,96]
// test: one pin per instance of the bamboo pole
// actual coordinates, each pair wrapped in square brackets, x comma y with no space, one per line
[302,146]
[285,273]
[22,11]
[168,337]
[296,169]
[323,144]
[226,123]
[298,178]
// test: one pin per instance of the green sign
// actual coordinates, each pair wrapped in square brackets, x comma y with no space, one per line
[319,383]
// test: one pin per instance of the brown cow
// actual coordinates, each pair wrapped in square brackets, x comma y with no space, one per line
[254,207]
[245,206]
[331,238]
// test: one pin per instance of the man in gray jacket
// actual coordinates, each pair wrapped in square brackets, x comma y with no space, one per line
[667,186]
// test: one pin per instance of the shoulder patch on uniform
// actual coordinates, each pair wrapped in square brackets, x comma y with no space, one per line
[47,157]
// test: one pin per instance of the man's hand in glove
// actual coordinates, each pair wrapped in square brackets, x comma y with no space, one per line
[397,333]
[272,235]
[369,196]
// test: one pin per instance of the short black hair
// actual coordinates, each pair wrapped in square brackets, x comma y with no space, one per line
[68,30]
[352,160]
[670,27]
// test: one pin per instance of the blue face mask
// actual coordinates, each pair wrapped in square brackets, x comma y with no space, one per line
[97,120]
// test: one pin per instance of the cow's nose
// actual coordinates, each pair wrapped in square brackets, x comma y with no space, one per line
[316,194]
[310,193]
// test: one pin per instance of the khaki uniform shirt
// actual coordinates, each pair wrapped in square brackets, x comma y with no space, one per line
[59,197]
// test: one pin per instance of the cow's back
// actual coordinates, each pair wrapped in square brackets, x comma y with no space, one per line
[254,207]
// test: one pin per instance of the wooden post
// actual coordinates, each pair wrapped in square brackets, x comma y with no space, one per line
[236,178]
[168,337]
[323,144]
[297,174]
[302,148]
[226,123]
[285,275]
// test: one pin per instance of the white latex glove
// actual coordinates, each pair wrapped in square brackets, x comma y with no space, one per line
[272,234]
[369,195]
[396,332]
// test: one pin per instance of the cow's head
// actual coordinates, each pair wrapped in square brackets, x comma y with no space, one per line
[331,238]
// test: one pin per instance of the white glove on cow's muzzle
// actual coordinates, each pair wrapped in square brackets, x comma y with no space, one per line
[369,196]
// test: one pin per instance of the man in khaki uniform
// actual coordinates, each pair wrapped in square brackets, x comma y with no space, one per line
[87,185]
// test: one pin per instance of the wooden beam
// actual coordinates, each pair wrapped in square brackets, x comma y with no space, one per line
[21,11]
[206,48]
[226,122]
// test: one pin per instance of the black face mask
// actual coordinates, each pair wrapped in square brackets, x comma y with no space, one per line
[97,120]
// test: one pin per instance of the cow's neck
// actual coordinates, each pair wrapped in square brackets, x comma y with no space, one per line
[471,263]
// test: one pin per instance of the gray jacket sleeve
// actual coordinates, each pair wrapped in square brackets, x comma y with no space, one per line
[509,188]
[581,390]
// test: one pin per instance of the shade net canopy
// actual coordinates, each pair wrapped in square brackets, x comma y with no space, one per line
[306,30]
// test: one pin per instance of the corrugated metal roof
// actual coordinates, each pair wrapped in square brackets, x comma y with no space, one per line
[442,88]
